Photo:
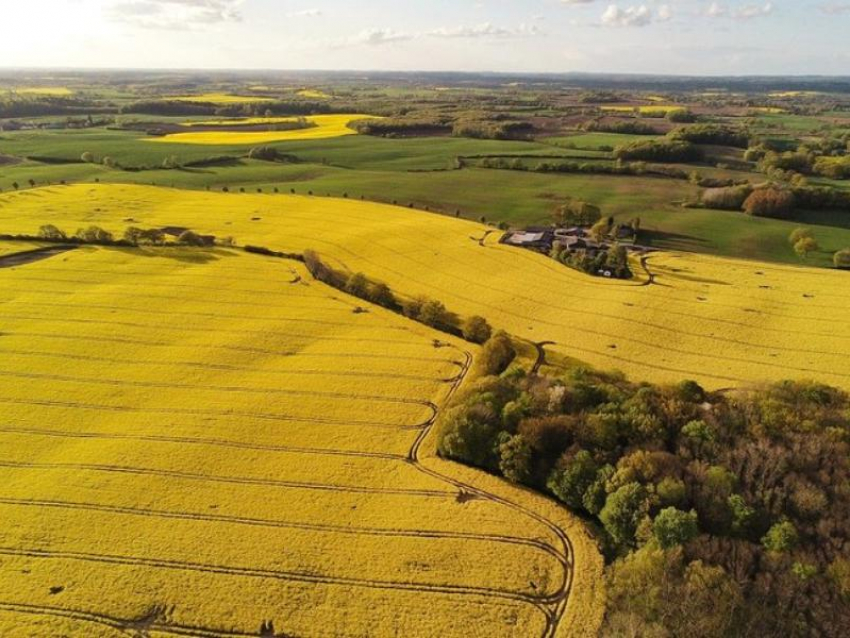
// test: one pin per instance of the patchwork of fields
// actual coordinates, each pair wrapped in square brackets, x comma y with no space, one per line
[251,448]
[722,322]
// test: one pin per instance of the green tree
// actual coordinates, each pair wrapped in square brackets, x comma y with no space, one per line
[515,458]
[382,295]
[434,314]
[571,480]
[622,513]
[841,259]
[797,234]
[133,235]
[94,235]
[674,527]
[781,537]
[50,232]
[87,157]
[805,246]
[497,354]
[357,285]
[476,329]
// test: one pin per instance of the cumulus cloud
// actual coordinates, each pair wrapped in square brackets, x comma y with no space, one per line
[486,30]
[174,14]
[747,12]
[380,37]
[635,16]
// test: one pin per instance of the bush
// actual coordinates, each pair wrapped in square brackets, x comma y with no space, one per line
[770,202]
[728,198]
[497,354]
[49,232]
[476,329]
[711,134]
[841,259]
[94,235]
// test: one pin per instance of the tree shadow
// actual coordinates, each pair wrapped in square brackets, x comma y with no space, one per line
[183,254]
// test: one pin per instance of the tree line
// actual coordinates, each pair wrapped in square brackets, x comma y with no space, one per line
[719,514]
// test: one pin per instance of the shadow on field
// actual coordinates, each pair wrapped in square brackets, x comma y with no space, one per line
[675,241]
[179,253]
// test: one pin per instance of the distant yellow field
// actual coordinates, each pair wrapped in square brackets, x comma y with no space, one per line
[200,442]
[240,121]
[50,91]
[220,98]
[326,126]
[722,322]
[314,94]
[645,109]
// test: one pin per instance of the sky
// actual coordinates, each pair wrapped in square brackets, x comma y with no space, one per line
[687,37]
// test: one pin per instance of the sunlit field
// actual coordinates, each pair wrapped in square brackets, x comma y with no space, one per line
[326,126]
[205,442]
[722,322]
[220,98]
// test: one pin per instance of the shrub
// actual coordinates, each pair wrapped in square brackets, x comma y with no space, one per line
[805,246]
[841,259]
[94,235]
[264,153]
[728,198]
[573,477]
[433,313]
[476,329]
[357,285]
[49,232]
[770,202]
[497,354]
[382,295]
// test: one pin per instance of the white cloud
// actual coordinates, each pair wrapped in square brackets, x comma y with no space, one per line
[380,37]
[486,30]
[747,12]
[635,16]
[305,13]
[665,13]
[751,11]
[174,14]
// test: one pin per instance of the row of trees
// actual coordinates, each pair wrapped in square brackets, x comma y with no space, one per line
[132,236]
[719,514]
[427,311]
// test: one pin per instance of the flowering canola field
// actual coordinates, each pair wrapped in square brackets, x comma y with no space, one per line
[209,443]
[722,322]
[325,126]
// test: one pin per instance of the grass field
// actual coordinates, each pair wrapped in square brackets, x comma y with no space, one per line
[249,449]
[325,126]
[722,322]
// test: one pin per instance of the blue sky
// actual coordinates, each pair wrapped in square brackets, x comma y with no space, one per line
[650,36]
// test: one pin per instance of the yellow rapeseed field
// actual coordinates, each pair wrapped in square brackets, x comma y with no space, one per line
[313,94]
[207,442]
[326,126]
[51,91]
[220,98]
[653,109]
[722,322]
